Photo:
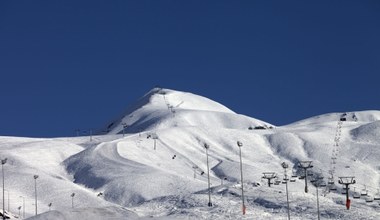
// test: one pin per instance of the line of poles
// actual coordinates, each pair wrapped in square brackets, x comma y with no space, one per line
[207,147]
[35,177]
[3,162]
[305,165]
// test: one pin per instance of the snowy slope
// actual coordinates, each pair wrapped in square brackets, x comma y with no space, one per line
[165,108]
[159,168]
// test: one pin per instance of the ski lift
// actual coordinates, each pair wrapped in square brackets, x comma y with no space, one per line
[323,184]
[294,174]
[277,181]
[356,194]
[333,187]
[301,177]
[364,191]
[377,196]
[369,199]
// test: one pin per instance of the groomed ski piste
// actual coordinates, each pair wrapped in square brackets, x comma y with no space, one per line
[156,168]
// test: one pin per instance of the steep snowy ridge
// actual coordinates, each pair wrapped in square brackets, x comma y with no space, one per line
[158,168]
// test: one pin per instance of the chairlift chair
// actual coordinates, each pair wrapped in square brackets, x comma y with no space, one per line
[292,180]
[356,195]
[364,192]
[377,195]
[369,199]
[333,187]
[277,181]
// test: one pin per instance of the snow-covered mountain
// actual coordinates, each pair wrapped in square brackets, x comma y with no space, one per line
[158,168]
[164,108]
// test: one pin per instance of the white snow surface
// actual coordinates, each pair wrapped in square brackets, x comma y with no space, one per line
[158,170]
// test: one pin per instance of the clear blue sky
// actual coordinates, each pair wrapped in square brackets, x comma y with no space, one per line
[78,64]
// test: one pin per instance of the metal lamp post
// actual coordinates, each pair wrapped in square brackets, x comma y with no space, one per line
[35,190]
[90,130]
[8,199]
[23,206]
[72,200]
[240,144]
[318,212]
[124,127]
[208,176]
[19,211]
[154,137]
[3,161]
[285,166]
[317,182]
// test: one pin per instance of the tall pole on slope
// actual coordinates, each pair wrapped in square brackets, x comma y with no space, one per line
[208,176]
[285,166]
[8,200]
[124,127]
[240,144]
[72,200]
[319,213]
[3,161]
[305,165]
[35,191]
[347,181]
[23,206]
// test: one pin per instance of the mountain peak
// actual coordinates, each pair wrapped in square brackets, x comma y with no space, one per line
[163,108]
